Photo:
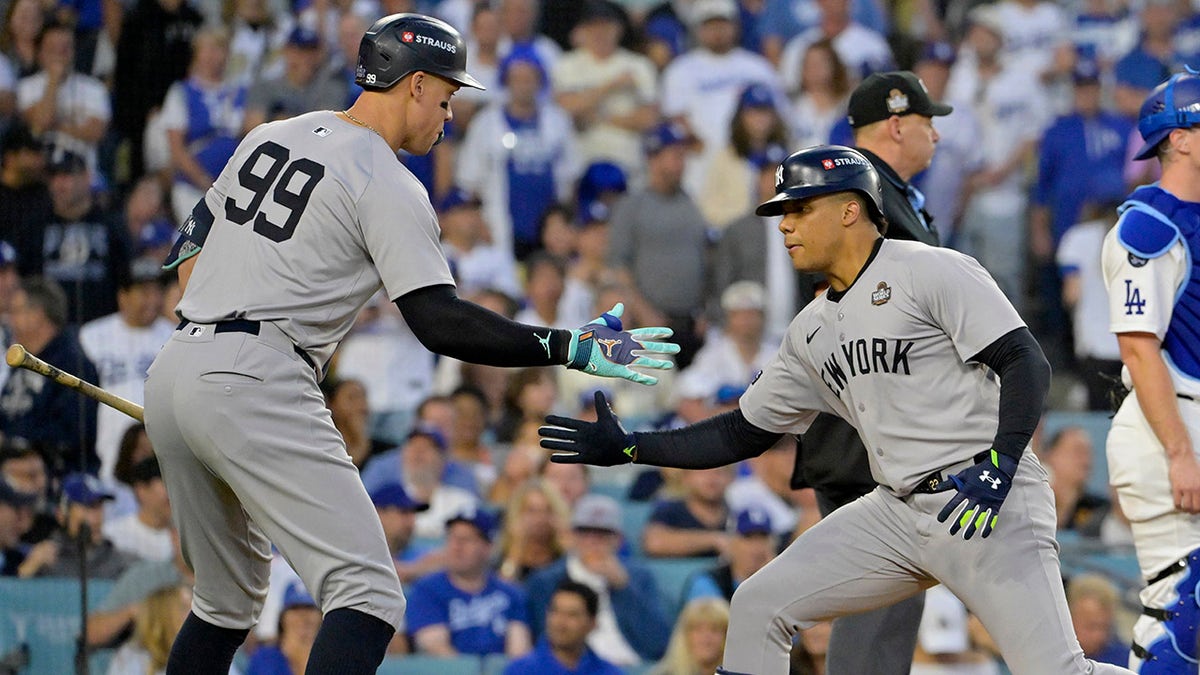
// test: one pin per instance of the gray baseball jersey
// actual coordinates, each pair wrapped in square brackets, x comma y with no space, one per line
[312,216]
[905,318]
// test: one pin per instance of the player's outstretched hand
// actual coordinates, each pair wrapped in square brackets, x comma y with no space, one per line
[601,443]
[983,488]
[602,348]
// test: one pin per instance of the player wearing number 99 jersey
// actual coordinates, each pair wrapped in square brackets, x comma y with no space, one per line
[309,219]
[1149,262]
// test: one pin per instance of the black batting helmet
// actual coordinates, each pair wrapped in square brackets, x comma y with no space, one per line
[824,169]
[401,44]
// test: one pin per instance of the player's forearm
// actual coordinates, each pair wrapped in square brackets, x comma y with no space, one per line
[1142,354]
[717,441]
[448,325]
[1024,375]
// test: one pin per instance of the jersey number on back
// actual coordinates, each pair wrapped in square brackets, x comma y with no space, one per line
[295,202]
[1133,299]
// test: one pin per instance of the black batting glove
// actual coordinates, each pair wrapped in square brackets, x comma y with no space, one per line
[601,443]
[983,488]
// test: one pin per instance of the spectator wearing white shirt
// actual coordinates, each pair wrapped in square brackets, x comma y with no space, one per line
[1084,294]
[821,94]
[147,533]
[122,346]
[476,263]
[729,358]
[1036,37]
[518,26]
[67,110]
[609,91]
[863,50]
[1012,112]
[700,88]
[523,154]
[545,279]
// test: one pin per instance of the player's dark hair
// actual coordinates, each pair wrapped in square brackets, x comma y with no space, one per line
[591,601]
[48,296]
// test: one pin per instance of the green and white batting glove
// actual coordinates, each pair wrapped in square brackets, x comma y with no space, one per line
[602,348]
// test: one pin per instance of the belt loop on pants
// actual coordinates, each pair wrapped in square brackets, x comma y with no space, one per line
[250,328]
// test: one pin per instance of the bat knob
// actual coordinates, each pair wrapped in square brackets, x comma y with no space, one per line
[15,355]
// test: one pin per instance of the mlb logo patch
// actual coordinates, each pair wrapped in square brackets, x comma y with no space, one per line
[827,163]
[407,36]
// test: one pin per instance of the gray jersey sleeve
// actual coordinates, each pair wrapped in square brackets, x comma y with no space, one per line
[962,299]
[408,262]
[786,397]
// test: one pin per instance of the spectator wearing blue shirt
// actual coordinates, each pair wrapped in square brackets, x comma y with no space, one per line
[468,609]
[1152,60]
[631,626]
[299,622]
[398,515]
[1092,600]
[695,524]
[563,650]
[752,546]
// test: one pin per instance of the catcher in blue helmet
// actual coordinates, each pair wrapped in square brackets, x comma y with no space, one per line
[1154,309]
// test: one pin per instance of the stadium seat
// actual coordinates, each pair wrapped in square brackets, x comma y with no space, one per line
[44,614]
[494,664]
[633,520]
[672,574]
[422,664]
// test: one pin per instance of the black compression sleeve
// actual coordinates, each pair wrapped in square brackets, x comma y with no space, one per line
[717,441]
[448,325]
[1024,380]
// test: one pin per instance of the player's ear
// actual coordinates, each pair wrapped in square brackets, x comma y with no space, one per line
[416,84]
[1181,140]
[851,211]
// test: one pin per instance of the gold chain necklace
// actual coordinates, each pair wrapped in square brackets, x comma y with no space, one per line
[361,123]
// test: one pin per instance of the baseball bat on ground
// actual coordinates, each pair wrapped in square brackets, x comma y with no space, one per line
[18,357]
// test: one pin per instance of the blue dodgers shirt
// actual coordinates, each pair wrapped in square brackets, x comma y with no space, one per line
[541,661]
[477,621]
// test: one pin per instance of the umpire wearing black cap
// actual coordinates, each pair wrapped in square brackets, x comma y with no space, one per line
[892,117]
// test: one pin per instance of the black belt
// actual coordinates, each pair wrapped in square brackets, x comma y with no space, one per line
[928,483]
[1173,568]
[1186,397]
[251,328]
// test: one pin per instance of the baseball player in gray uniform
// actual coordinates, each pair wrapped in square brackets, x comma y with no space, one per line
[907,344]
[309,219]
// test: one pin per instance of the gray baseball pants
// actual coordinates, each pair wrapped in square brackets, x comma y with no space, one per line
[881,549]
[250,457]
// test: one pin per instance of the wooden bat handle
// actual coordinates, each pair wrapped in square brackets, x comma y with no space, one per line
[18,357]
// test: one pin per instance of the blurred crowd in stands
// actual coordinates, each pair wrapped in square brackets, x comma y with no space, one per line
[616,155]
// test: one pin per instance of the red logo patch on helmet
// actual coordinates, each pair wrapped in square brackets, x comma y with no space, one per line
[407,36]
[827,163]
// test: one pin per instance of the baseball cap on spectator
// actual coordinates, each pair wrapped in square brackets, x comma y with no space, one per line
[296,595]
[457,197]
[729,393]
[600,10]
[14,497]
[709,10]
[304,38]
[938,52]
[140,270]
[478,518]
[751,521]
[8,254]
[944,623]
[666,135]
[601,177]
[594,212]
[145,471]
[81,488]
[1086,71]
[1140,71]
[158,232]
[587,399]
[898,92]
[431,432]
[19,137]
[523,53]
[65,161]
[665,29]
[597,512]
[987,16]
[393,495]
[743,295]
[756,95]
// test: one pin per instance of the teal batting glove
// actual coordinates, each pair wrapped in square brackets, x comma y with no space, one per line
[603,349]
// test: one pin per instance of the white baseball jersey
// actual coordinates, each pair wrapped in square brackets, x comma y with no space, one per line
[1079,253]
[915,313]
[313,215]
[122,355]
